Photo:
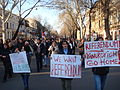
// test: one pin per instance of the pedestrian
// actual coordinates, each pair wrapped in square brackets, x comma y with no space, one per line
[70,43]
[1,48]
[28,50]
[65,49]
[25,76]
[53,49]
[24,46]
[81,50]
[46,53]
[6,62]
[39,53]
[100,74]
[74,45]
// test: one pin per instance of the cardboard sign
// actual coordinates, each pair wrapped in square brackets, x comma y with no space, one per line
[19,62]
[102,53]
[65,66]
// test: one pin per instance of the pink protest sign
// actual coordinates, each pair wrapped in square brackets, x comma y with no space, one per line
[102,53]
[65,66]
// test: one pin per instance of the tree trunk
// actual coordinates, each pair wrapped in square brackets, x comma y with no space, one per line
[90,23]
[16,33]
[3,25]
[106,20]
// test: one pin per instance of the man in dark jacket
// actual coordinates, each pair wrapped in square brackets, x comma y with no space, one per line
[65,49]
[100,74]
[39,53]
[6,62]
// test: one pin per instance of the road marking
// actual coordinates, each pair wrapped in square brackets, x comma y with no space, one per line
[40,73]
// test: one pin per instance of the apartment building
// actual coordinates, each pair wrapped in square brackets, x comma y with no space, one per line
[11,26]
[97,20]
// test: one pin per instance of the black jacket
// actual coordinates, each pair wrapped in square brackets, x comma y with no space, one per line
[41,51]
[61,51]
[100,70]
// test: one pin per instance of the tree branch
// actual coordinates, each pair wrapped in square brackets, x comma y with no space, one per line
[23,3]
[31,9]
[13,6]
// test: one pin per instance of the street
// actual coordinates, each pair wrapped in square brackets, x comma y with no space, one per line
[42,80]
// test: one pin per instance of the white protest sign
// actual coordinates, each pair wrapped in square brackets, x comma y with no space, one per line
[65,66]
[102,53]
[19,62]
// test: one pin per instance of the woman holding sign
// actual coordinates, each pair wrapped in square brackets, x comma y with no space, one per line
[100,74]
[65,49]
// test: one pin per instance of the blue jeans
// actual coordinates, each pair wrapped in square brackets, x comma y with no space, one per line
[25,78]
[99,81]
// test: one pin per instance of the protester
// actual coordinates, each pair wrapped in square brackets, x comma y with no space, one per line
[6,62]
[21,46]
[39,53]
[25,76]
[53,49]
[28,50]
[1,48]
[74,45]
[46,53]
[81,50]
[65,49]
[100,74]
[11,47]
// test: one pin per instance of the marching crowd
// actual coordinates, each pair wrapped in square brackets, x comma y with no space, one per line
[42,49]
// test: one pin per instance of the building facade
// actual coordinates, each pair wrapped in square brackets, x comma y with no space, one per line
[97,20]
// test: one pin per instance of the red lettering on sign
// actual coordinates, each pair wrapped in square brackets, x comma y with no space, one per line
[57,59]
[69,70]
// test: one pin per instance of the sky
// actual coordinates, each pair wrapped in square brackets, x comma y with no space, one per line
[50,15]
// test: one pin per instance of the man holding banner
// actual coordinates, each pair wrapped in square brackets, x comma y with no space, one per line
[95,58]
[20,64]
[65,66]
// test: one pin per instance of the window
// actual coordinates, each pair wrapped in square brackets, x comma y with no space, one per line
[118,17]
[7,25]
[12,26]
[99,23]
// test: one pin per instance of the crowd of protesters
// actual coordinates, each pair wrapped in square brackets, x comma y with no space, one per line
[42,49]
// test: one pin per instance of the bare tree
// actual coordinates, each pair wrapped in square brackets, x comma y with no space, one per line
[106,11]
[73,9]
[88,6]
[5,16]
[23,13]
[67,22]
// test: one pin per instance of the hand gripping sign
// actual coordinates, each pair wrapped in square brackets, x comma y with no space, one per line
[19,62]
[65,66]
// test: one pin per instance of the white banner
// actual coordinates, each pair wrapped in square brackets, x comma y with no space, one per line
[19,62]
[102,53]
[65,66]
